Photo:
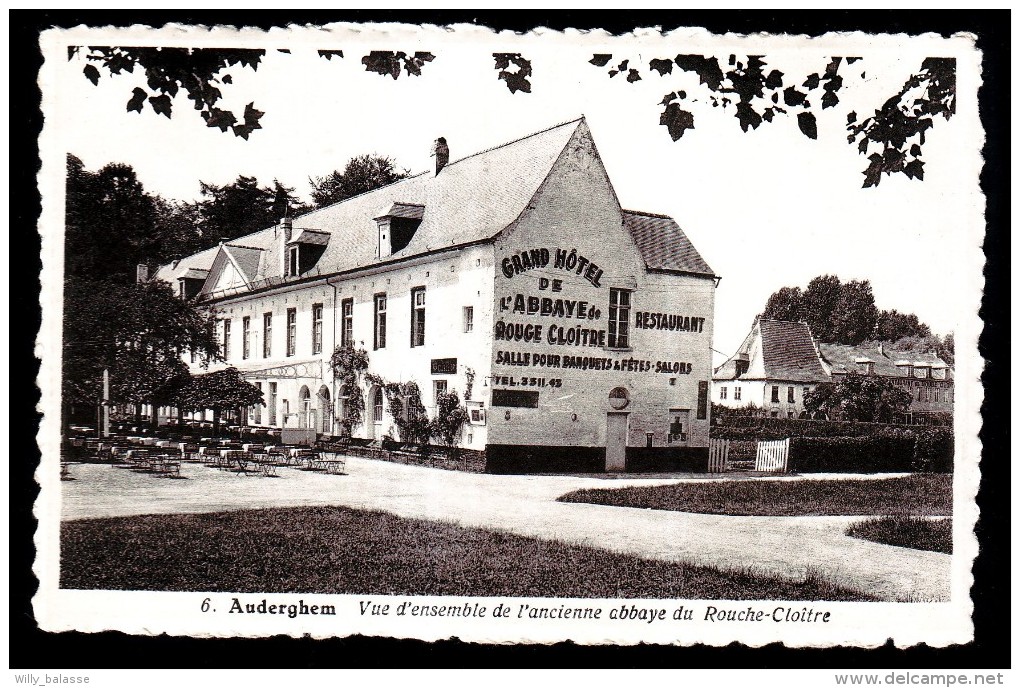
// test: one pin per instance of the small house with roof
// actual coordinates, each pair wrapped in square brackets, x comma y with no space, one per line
[779,362]
[772,369]
[577,333]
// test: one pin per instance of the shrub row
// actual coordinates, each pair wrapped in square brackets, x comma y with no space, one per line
[851,454]
[748,428]
[927,450]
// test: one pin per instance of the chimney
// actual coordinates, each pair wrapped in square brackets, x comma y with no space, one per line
[284,235]
[142,273]
[442,153]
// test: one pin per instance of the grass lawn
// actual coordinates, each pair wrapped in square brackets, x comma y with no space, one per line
[916,533]
[346,551]
[919,495]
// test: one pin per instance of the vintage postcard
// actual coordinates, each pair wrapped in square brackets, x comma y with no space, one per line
[439,331]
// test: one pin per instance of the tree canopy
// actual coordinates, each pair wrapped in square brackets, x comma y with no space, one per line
[139,332]
[845,313]
[835,311]
[243,207]
[863,398]
[361,174]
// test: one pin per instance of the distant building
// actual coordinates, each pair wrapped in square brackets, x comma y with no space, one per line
[779,362]
[774,367]
[927,377]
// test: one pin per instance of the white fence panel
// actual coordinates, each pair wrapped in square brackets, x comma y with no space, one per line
[772,456]
[718,455]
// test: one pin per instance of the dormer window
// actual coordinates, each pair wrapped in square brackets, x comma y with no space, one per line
[397,225]
[292,261]
[304,251]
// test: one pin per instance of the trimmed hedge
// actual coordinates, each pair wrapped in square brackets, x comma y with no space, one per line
[748,428]
[851,454]
[933,450]
[928,450]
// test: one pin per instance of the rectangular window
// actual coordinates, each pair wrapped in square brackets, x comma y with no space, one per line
[245,337]
[380,321]
[469,318]
[292,261]
[267,335]
[736,393]
[418,316]
[722,392]
[291,331]
[789,395]
[438,387]
[194,356]
[775,394]
[272,403]
[702,400]
[804,392]
[619,318]
[316,328]
[226,340]
[347,322]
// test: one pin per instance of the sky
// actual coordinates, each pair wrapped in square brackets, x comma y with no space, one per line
[766,209]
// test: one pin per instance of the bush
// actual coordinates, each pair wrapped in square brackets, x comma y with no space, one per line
[876,454]
[750,428]
[933,450]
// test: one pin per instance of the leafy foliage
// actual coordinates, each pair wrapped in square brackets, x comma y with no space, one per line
[389,63]
[868,454]
[864,398]
[897,129]
[221,390]
[361,174]
[516,80]
[835,311]
[348,365]
[111,224]
[199,72]
[854,315]
[243,207]
[893,325]
[450,418]
[139,332]
[758,95]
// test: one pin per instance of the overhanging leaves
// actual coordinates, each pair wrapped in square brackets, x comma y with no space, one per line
[517,79]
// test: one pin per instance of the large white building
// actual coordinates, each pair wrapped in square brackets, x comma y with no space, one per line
[578,333]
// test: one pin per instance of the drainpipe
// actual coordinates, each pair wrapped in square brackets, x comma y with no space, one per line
[334,398]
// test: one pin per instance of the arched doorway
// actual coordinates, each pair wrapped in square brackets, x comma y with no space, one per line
[305,418]
[325,411]
[375,409]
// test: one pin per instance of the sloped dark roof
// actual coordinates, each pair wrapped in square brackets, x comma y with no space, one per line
[414,211]
[311,236]
[472,199]
[663,245]
[194,273]
[842,358]
[247,259]
[789,353]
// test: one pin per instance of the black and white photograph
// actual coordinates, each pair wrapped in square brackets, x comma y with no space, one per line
[418,331]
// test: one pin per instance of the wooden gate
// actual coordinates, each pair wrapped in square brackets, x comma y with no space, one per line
[772,456]
[718,455]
